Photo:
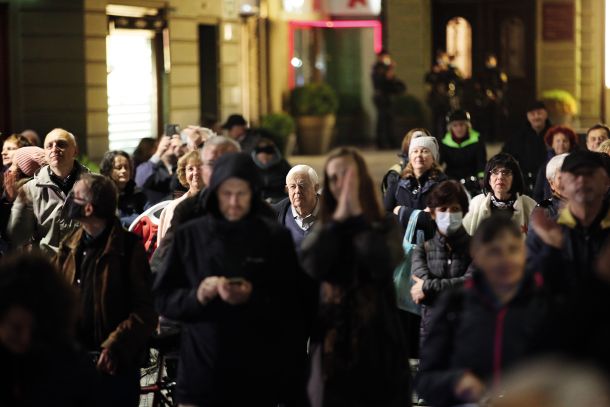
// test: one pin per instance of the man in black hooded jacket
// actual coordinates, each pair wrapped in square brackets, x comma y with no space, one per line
[231,278]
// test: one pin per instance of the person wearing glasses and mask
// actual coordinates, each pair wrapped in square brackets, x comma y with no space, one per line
[503,193]
[272,168]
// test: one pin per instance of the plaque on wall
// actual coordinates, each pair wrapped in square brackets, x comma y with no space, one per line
[557,21]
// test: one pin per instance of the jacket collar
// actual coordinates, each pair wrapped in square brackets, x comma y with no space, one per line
[114,244]
[473,137]
[43,179]
[567,219]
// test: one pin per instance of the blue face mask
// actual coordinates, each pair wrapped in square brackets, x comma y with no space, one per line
[448,222]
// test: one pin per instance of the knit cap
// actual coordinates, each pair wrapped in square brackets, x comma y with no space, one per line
[29,159]
[427,142]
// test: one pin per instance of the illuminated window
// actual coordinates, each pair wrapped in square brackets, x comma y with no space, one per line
[132,88]
[459,45]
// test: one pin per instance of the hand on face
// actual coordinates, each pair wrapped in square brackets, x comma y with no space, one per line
[345,187]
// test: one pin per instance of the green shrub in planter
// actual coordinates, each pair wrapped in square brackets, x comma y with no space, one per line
[314,99]
[281,125]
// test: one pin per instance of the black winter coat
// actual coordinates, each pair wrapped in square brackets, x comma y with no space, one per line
[442,262]
[529,149]
[464,160]
[471,332]
[358,351]
[566,269]
[251,354]
[411,194]
[131,203]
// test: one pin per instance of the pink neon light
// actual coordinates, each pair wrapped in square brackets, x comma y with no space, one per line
[374,24]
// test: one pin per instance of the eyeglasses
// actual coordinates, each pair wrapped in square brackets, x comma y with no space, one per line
[501,171]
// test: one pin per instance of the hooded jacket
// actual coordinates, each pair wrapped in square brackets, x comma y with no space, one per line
[248,354]
[466,159]
[471,331]
[37,213]
[273,176]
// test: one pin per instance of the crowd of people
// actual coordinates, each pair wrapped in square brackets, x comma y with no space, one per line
[283,283]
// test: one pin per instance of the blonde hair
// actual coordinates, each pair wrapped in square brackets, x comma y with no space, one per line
[183,162]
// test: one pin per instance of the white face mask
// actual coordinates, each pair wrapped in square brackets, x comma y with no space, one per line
[448,222]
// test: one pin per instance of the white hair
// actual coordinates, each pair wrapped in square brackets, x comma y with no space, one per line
[222,141]
[303,169]
[554,165]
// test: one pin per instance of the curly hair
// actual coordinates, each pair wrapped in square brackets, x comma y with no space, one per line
[183,162]
[566,131]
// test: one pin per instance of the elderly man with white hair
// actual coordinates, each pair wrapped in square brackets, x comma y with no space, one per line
[556,202]
[299,211]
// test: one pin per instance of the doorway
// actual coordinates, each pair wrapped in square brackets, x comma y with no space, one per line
[506,29]
[208,74]
[132,88]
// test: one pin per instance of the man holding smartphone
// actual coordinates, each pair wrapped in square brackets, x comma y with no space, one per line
[231,278]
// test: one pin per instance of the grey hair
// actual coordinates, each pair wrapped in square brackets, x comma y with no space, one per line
[303,169]
[554,165]
[222,141]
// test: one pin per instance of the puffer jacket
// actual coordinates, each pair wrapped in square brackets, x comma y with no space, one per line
[37,213]
[471,331]
[124,311]
[442,262]
[411,193]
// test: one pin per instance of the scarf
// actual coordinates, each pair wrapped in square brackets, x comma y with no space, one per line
[502,205]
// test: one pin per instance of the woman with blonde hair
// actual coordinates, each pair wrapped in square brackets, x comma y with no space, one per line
[190,176]
[410,191]
[394,172]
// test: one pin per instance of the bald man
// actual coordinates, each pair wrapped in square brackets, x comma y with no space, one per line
[36,216]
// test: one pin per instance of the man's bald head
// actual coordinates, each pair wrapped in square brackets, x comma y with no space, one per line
[60,151]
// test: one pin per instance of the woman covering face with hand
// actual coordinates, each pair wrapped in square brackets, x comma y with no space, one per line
[358,352]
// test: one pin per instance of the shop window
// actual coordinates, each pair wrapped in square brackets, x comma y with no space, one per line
[459,45]
[512,42]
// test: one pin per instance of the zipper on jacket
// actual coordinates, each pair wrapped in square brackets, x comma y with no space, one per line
[498,336]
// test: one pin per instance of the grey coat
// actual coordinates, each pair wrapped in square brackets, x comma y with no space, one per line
[36,215]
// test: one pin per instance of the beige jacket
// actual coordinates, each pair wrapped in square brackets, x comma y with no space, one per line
[36,214]
[480,209]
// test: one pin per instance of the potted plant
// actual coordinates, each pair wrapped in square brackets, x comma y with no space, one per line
[282,126]
[314,107]
[561,105]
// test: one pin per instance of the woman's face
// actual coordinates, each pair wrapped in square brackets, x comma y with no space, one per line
[561,144]
[459,129]
[421,159]
[452,207]
[502,260]
[194,176]
[501,181]
[121,173]
[336,169]
[8,150]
